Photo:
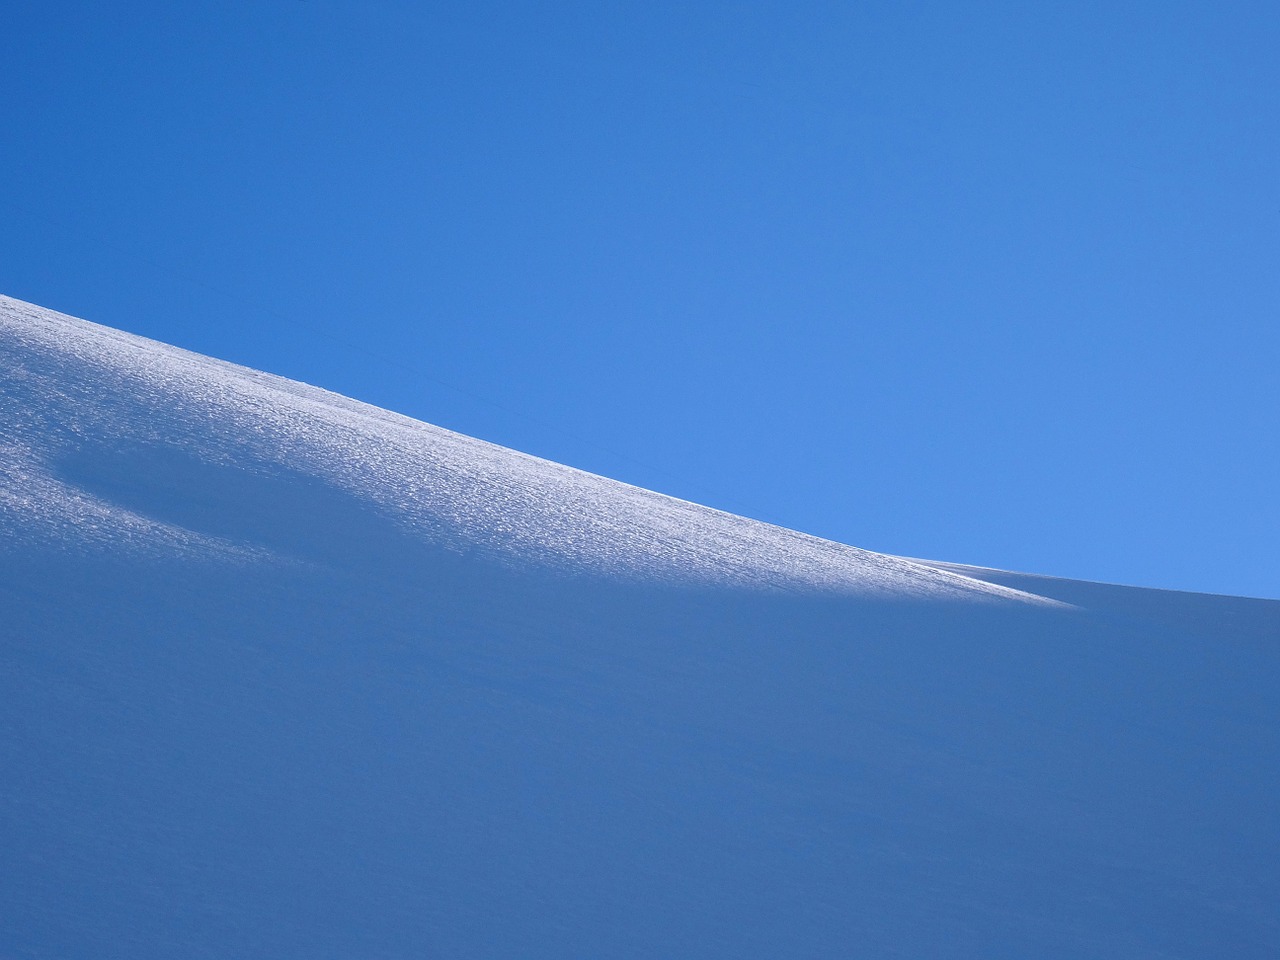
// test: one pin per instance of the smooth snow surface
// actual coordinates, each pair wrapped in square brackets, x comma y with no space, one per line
[285,675]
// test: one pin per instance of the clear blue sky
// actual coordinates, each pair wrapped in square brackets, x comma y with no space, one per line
[995,283]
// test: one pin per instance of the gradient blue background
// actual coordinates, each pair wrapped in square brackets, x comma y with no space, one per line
[995,283]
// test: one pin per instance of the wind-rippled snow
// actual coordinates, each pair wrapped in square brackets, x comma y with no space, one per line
[66,378]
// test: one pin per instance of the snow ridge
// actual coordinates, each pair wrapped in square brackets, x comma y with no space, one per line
[443,485]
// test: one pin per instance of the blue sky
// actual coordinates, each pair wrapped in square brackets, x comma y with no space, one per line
[993,283]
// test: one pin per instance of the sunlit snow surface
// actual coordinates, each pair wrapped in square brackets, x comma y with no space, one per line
[89,402]
[285,675]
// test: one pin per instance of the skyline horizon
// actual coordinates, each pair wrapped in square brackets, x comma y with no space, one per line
[946,561]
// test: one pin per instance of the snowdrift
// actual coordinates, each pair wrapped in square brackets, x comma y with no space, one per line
[285,675]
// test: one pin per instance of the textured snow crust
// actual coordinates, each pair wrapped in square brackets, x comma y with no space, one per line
[67,378]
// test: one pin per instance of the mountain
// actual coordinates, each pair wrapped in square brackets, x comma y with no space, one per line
[286,675]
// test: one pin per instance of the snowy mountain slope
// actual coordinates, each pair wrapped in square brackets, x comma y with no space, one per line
[96,407]
[282,675]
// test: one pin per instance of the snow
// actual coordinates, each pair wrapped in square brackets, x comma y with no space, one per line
[288,675]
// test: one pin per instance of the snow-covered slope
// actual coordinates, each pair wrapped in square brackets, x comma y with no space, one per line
[285,675]
[94,409]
